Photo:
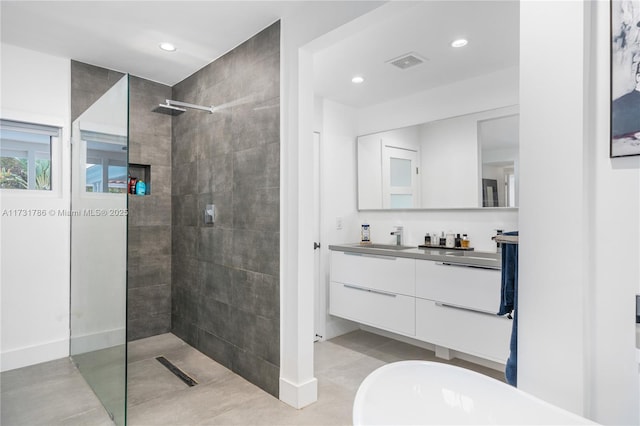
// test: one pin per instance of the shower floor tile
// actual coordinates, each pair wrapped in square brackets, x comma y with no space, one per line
[55,393]
[51,393]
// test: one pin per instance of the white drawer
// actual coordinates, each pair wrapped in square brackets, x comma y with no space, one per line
[483,335]
[385,273]
[393,312]
[464,286]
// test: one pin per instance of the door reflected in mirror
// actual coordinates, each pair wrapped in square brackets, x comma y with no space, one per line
[468,161]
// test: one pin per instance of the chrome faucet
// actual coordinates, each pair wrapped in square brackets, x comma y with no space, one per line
[398,234]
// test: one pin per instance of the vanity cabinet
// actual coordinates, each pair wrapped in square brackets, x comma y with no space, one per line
[470,287]
[374,290]
[456,308]
[448,304]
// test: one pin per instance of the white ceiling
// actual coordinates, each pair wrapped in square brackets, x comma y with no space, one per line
[426,28]
[124,36]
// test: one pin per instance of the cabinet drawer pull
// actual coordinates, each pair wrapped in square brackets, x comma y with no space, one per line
[466,265]
[375,256]
[462,308]
[383,293]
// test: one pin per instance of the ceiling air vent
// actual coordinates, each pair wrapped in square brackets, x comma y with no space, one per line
[407,61]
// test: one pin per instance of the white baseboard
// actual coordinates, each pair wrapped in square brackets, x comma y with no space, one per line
[98,341]
[298,396]
[337,327]
[30,355]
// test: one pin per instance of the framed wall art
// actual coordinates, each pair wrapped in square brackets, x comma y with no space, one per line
[625,78]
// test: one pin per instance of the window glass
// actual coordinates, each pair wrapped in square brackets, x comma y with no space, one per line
[106,165]
[25,155]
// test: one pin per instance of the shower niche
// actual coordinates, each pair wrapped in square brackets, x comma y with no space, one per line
[139,172]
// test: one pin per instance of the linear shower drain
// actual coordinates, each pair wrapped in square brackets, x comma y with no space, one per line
[175,370]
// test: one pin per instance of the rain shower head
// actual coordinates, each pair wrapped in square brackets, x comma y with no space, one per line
[168,109]
[175,107]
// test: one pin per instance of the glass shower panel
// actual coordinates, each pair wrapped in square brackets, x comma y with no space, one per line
[99,247]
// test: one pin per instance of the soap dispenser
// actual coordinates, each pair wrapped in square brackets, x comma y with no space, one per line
[365,234]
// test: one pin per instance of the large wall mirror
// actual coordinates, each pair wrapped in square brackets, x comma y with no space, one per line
[468,161]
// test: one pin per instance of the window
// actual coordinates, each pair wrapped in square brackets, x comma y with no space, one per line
[25,155]
[106,166]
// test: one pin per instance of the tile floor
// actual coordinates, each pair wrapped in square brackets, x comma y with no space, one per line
[54,393]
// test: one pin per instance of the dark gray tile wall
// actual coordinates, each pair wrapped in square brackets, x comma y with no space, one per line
[149,238]
[88,83]
[225,294]
[149,221]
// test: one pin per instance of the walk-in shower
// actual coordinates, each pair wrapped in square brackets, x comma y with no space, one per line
[172,107]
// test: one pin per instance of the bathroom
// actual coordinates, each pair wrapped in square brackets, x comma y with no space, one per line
[589,282]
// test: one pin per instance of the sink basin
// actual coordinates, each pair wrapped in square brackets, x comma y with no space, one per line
[385,246]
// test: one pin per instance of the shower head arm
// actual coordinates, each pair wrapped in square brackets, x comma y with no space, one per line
[209,109]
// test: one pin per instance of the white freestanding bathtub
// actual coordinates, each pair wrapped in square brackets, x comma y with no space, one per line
[428,393]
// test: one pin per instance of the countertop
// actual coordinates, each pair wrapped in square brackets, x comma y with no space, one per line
[480,259]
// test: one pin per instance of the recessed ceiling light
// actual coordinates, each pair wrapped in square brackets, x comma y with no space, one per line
[167,46]
[459,43]
[357,79]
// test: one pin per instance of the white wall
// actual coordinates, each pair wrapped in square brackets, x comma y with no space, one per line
[579,220]
[298,386]
[35,250]
[450,163]
[490,91]
[553,280]
[338,197]
[614,391]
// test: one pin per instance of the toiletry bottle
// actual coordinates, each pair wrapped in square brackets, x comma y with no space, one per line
[141,188]
[450,240]
[365,234]
[427,240]
[465,241]
[443,240]
[458,241]
[132,185]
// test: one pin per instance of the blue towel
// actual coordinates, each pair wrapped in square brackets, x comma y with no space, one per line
[509,303]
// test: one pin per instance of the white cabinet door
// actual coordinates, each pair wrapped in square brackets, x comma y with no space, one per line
[483,335]
[389,311]
[464,286]
[384,273]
